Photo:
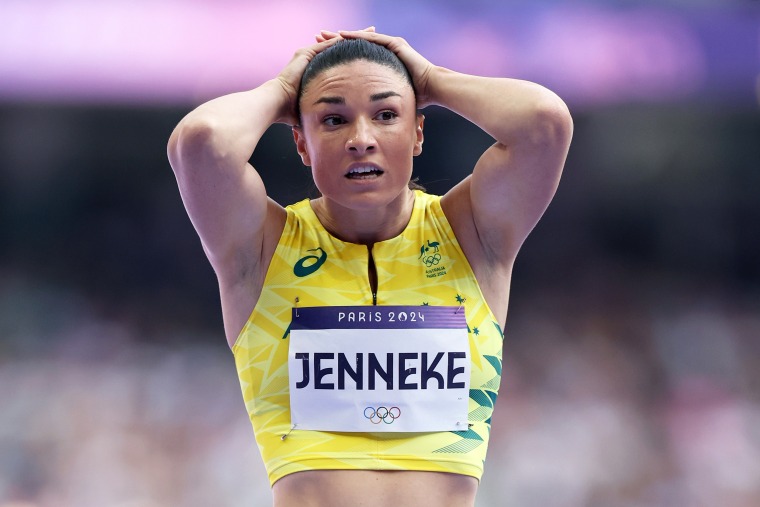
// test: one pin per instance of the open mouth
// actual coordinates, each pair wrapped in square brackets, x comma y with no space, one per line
[364,172]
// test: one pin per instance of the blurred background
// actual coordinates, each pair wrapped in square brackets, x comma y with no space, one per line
[632,350]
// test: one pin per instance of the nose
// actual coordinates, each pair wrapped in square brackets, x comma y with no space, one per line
[361,139]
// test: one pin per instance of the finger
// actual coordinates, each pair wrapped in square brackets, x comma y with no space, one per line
[328,33]
[363,34]
[330,40]
[377,38]
[321,45]
[325,43]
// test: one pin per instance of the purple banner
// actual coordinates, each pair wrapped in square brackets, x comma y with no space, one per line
[379,317]
[589,52]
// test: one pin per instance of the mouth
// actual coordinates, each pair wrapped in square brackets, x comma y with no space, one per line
[364,172]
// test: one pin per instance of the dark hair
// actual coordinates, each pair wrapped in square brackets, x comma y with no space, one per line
[346,51]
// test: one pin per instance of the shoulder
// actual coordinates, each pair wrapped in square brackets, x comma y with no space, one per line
[457,207]
[422,199]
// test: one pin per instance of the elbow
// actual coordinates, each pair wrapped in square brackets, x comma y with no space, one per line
[553,121]
[191,139]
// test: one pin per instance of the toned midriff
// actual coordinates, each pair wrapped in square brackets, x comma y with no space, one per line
[370,488]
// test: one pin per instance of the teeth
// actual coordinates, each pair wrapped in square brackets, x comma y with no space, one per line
[362,170]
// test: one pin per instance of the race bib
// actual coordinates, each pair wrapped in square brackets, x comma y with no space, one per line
[379,368]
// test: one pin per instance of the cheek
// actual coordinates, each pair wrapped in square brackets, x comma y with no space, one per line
[323,153]
[323,157]
[401,147]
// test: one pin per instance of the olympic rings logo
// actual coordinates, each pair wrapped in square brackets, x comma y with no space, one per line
[432,260]
[382,414]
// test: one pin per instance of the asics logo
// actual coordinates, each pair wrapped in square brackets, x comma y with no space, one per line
[310,263]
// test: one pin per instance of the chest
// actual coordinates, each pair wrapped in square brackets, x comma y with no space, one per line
[425,269]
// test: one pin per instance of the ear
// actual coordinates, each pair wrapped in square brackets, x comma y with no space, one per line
[300,141]
[420,137]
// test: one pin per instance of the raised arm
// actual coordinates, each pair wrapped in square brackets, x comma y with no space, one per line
[516,178]
[223,194]
[209,152]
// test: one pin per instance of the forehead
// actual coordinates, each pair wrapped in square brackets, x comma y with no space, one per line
[359,77]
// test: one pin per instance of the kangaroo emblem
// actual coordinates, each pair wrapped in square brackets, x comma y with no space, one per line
[424,249]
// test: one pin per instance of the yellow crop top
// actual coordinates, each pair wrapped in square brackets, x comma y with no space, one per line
[424,265]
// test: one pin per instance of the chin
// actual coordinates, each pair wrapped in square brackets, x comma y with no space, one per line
[369,199]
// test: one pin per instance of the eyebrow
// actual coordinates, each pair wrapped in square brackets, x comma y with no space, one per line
[330,100]
[383,95]
[340,100]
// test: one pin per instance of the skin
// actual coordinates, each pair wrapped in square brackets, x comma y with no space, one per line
[344,125]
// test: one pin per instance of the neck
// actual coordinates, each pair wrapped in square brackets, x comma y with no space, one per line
[365,226]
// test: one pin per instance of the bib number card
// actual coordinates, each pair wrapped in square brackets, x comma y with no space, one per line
[379,369]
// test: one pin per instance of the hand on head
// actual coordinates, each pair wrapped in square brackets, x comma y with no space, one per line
[419,67]
[290,77]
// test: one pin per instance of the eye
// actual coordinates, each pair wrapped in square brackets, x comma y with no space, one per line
[386,115]
[332,121]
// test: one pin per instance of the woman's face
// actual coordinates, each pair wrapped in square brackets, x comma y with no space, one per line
[359,131]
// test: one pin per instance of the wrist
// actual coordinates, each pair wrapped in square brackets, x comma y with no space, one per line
[431,92]
[283,98]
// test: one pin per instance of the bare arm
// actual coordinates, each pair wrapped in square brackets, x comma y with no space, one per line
[516,178]
[209,152]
